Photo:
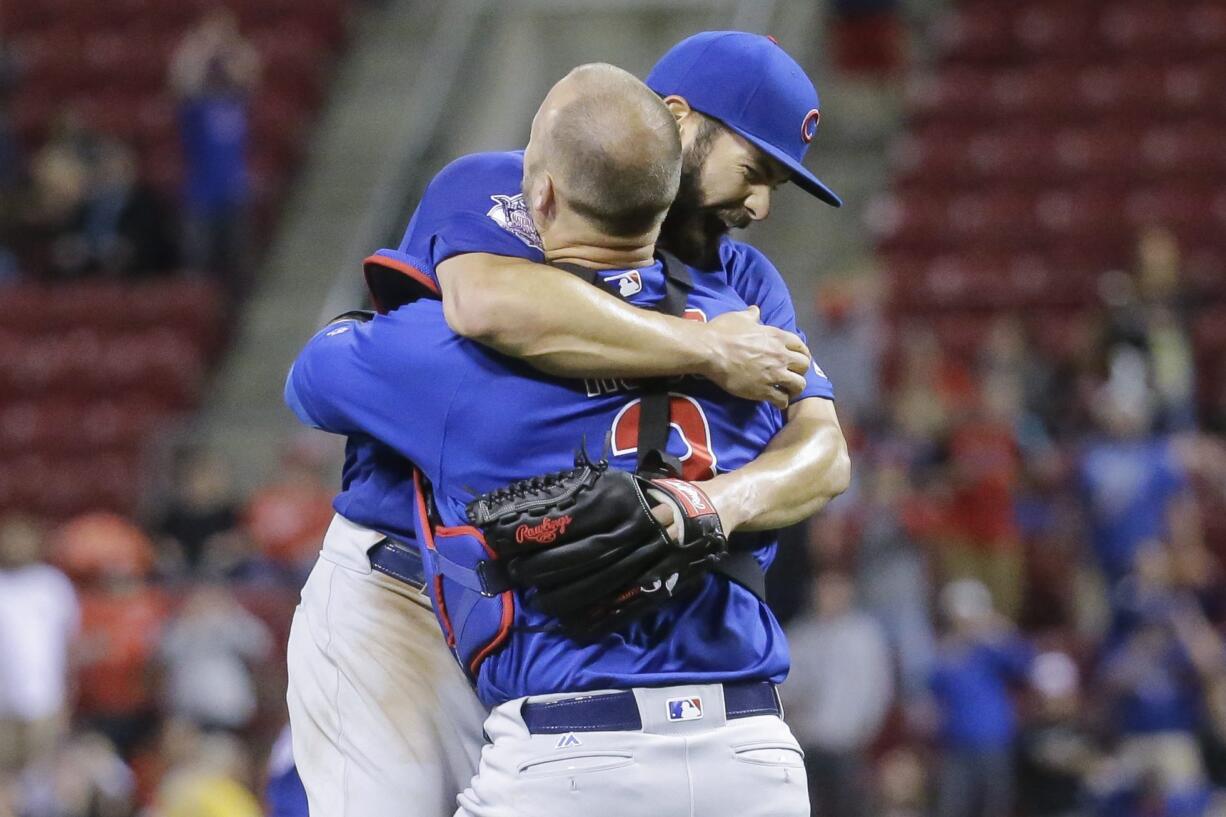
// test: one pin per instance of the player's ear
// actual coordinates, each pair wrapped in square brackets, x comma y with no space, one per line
[543,199]
[678,106]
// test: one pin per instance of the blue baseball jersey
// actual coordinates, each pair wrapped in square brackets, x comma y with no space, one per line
[474,420]
[475,205]
[284,794]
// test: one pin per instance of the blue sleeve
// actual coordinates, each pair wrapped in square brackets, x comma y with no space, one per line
[370,378]
[1012,657]
[475,204]
[752,276]
[1173,477]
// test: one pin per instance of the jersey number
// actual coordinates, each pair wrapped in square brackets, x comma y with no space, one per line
[687,419]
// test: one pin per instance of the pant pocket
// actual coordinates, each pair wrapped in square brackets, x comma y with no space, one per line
[575,764]
[774,753]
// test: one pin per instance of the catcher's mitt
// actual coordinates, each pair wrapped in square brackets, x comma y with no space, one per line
[585,547]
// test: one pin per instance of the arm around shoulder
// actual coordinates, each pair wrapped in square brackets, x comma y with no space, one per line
[566,327]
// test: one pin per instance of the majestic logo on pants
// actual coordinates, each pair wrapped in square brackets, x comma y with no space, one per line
[684,709]
[568,740]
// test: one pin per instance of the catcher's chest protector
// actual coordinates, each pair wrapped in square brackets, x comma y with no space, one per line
[473,604]
[472,599]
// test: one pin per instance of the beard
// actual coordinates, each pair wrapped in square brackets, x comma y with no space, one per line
[692,230]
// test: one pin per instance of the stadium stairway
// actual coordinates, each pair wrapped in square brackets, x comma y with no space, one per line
[335,214]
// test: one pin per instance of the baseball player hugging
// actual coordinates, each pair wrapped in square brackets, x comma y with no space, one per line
[589,530]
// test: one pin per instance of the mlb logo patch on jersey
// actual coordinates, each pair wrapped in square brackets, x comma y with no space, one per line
[627,283]
[684,709]
[511,214]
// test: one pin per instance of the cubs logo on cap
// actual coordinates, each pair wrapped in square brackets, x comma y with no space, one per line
[808,128]
[751,85]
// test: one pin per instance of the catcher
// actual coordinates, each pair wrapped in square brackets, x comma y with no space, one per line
[541,605]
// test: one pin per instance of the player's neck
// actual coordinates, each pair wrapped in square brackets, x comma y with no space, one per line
[588,249]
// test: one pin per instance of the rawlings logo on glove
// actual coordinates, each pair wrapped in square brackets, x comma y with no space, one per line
[544,533]
[584,546]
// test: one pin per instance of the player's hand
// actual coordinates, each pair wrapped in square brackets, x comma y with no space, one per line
[755,361]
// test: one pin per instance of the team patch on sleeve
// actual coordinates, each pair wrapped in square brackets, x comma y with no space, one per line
[511,214]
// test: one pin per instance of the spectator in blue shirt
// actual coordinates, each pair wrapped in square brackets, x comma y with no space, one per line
[213,73]
[1134,482]
[1154,677]
[978,660]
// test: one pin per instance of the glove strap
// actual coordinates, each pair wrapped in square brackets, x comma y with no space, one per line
[700,517]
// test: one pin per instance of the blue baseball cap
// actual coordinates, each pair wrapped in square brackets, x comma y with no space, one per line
[750,84]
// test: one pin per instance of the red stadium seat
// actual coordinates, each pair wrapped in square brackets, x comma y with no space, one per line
[1053,30]
[1204,25]
[975,33]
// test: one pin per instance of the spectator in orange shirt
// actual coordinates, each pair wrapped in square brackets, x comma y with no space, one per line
[121,621]
[287,518]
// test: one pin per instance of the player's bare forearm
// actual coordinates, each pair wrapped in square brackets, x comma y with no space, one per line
[563,326]
[803,467]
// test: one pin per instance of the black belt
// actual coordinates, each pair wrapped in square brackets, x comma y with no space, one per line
[619,711]
[400,561]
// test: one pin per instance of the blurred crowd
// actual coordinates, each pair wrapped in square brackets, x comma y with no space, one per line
[83,204]
[1015,611]
[1018,607]
[142,661]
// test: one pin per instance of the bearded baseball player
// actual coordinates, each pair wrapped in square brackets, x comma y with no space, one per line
[630,664]
[382,715]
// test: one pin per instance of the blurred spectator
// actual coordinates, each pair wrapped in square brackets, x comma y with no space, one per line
[200,508]
[98,545]
[1056,754]
[39,619]
[980,537]
[288,518]
[211,782]
[10,152]
[1168,340]
[902,785]
[891,578]
[979,658]
[83,778]
[116,225]
[932,387]
[849,339]
[59,176]
[208,651]
[125,223]
[213,73]
[121,620]
[1134,482]
[840,690]
[12,164]
[1153,682]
